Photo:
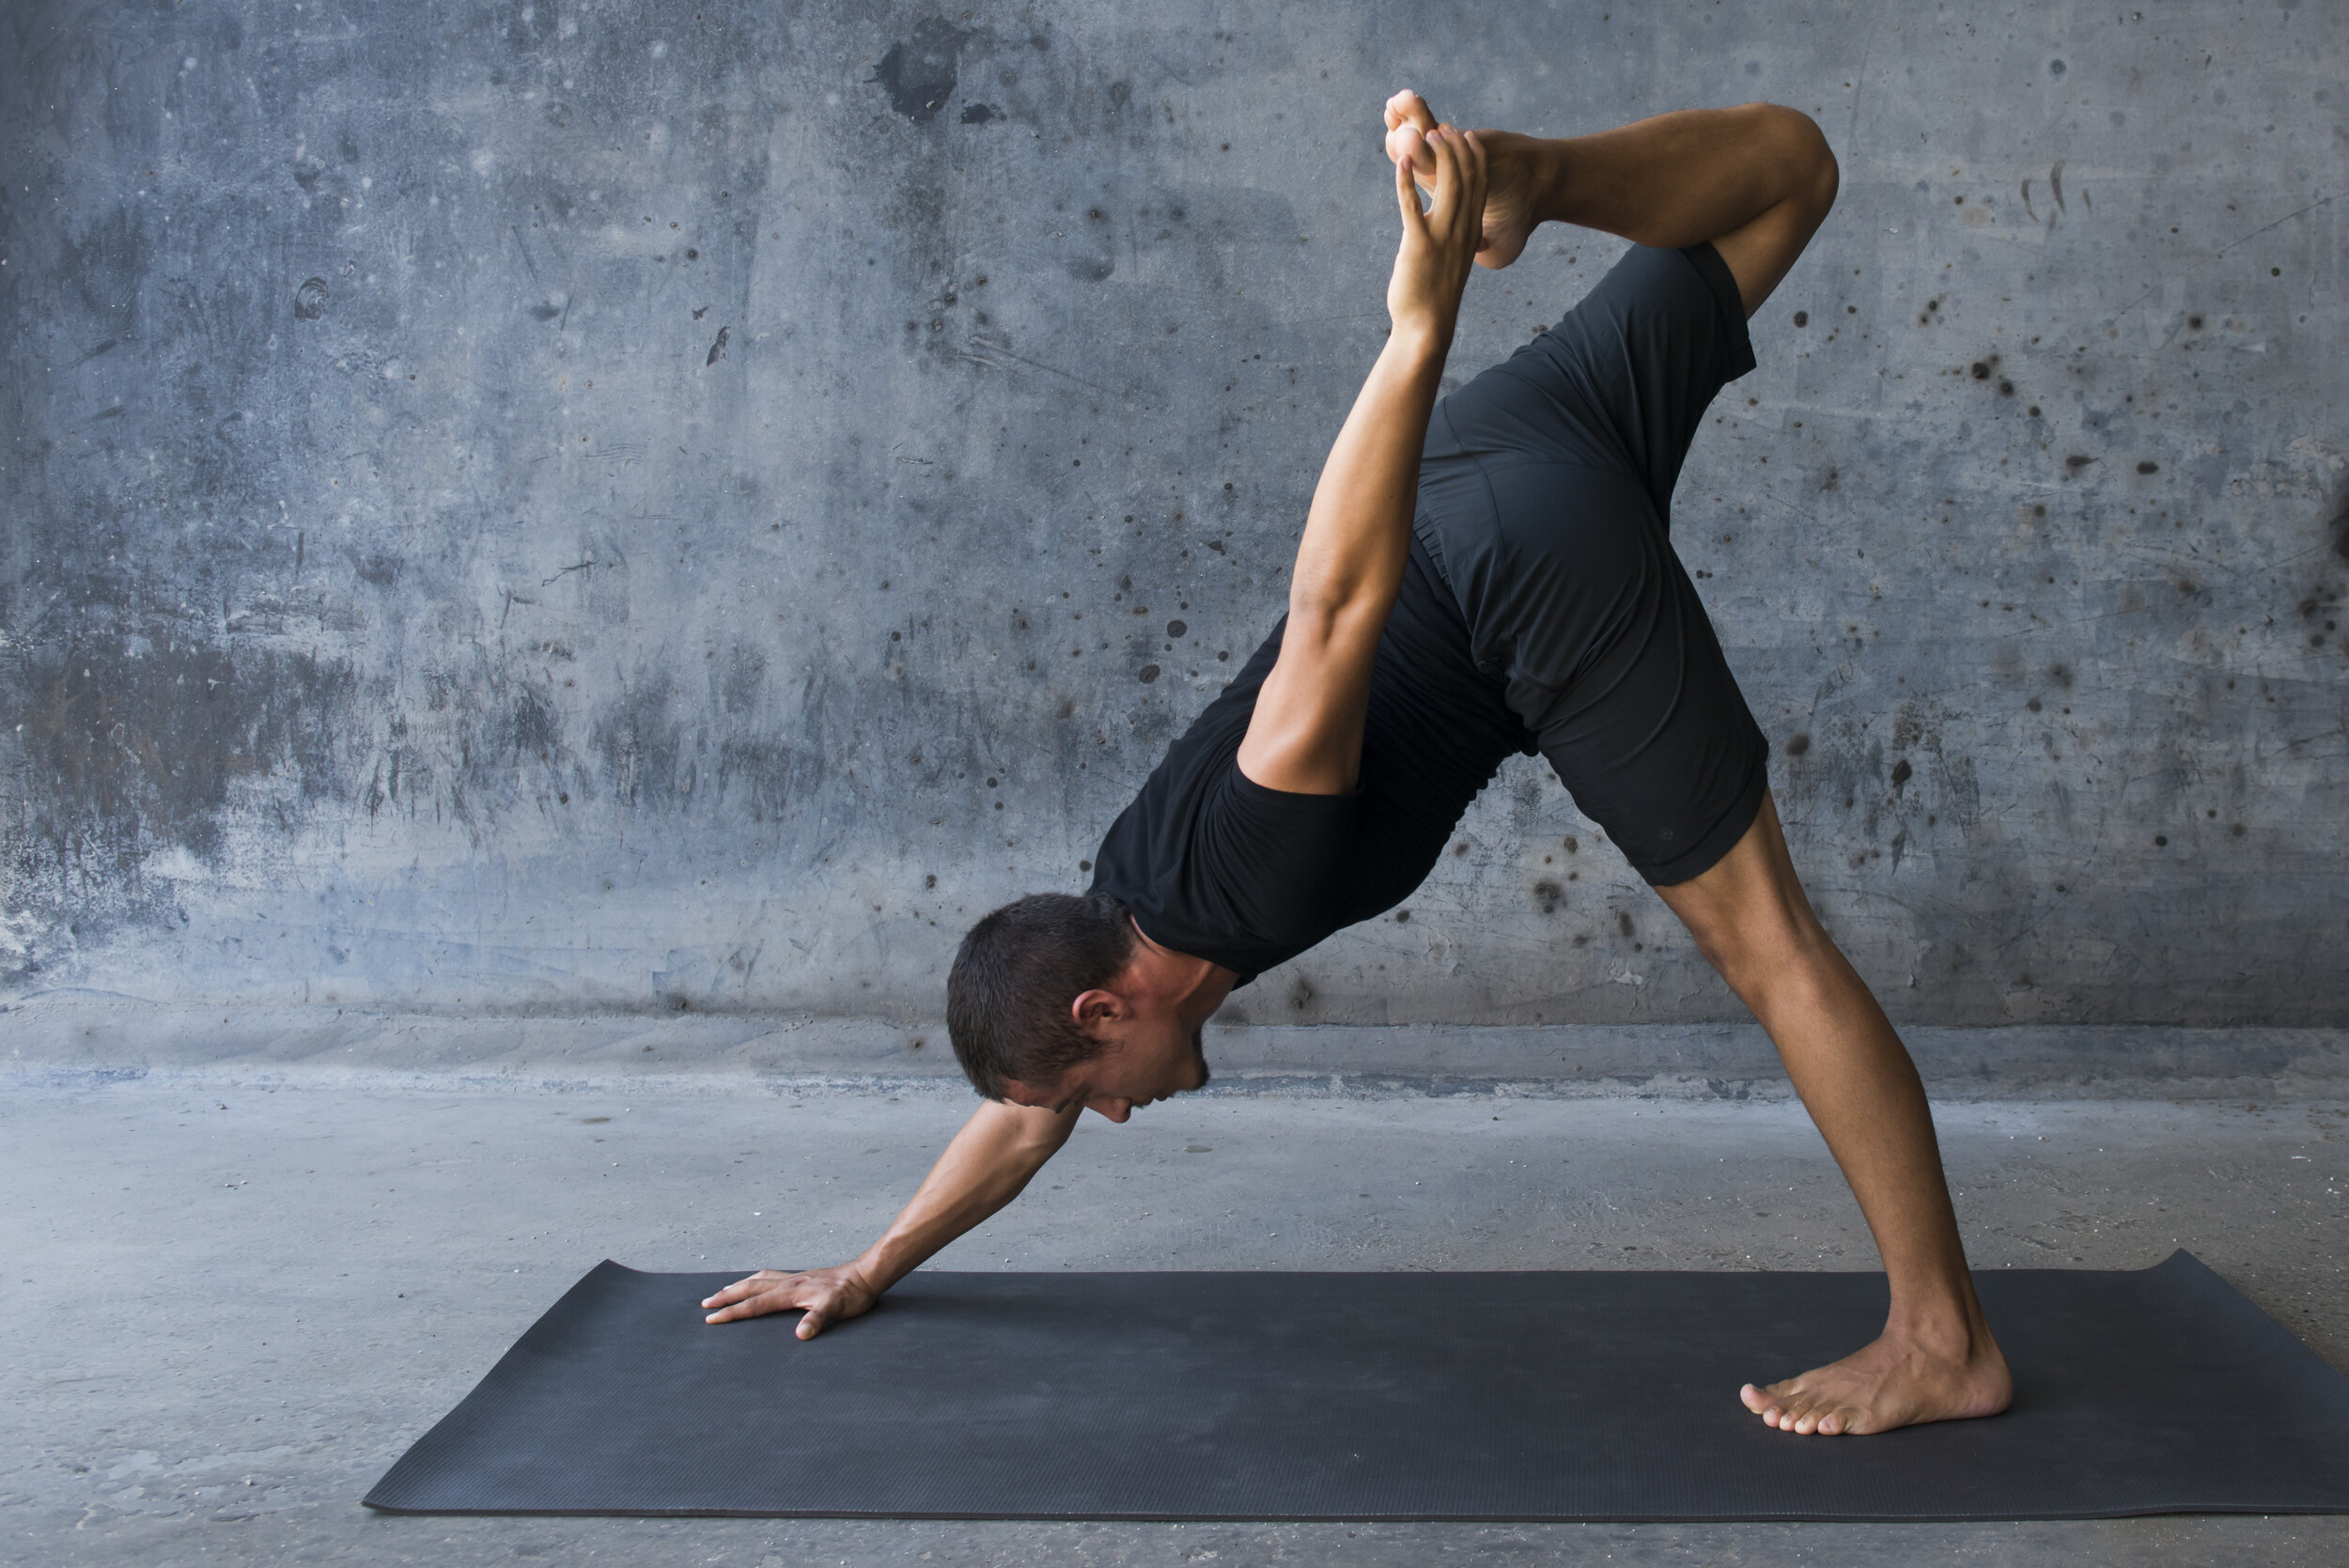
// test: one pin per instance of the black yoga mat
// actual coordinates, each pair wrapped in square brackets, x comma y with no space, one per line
[1374,1396]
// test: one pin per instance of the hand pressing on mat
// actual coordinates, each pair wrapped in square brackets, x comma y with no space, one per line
[997,1153]
[825,1294]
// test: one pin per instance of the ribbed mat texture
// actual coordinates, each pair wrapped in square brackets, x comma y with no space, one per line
[1523,1396]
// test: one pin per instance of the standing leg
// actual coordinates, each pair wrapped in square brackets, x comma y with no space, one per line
[1936,1360]
[1755,182]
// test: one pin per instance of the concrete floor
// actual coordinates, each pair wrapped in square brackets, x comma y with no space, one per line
[227,1309]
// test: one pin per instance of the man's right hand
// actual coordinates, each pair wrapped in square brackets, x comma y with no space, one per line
[1439,248]
[827,1295]
[989,1160]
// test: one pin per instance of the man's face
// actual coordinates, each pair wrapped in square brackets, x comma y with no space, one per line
[1149,1056]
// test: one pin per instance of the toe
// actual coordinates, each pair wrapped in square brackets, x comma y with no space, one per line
[1408,108]
[1773,1404]
[1849,1420]
[1405,143]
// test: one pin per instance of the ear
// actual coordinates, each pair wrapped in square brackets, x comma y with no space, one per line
[1095,1007]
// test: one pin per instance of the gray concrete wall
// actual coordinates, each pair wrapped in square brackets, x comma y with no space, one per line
[616,506]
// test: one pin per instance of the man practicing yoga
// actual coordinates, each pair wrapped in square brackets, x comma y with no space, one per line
[1482,576]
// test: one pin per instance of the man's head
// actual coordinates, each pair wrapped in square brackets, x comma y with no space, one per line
[1056,1000]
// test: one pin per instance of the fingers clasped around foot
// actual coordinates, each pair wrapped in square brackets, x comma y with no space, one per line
[1512,167]
[1886,1384]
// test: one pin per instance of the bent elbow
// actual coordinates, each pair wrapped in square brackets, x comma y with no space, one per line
[1312,614]
[1320,620]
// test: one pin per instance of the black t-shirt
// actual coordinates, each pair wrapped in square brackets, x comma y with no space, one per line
[1543,487]
[1218,866]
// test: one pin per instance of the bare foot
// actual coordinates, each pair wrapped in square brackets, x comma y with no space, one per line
[1511,179]
[1885,1385]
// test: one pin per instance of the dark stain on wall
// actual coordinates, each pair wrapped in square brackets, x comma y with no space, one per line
[919,74]
[126,746]
[140,746]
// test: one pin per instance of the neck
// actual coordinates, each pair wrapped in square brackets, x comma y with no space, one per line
[1177,979]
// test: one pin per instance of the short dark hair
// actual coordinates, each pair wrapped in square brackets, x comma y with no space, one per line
[1016,973]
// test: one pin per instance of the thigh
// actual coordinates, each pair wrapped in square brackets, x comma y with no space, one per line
[1648,730]
[1622,381]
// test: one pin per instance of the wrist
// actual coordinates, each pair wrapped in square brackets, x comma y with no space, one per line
[873,1270]
[1420,342]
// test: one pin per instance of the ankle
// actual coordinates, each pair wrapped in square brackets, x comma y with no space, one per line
[1956,1331]
[1548,177]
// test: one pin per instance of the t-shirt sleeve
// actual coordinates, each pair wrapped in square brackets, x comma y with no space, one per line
[1216,865]
[1265,862]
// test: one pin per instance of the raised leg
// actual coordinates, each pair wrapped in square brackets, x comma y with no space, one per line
[1756,180]
[1936,1360]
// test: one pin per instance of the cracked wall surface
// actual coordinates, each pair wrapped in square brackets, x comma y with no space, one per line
[535,507]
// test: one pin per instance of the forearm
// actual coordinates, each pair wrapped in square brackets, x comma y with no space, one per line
[1359,528]
[994,1157]
[1306,732]
[1305,735]
[1683,178]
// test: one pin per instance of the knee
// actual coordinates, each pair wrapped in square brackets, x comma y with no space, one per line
[1783,957]
[1797,141]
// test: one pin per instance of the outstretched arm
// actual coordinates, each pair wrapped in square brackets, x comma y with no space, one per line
[997,1153]
[1306,734]
[1756,180]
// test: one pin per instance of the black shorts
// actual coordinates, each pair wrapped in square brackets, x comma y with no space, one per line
[1544,501]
